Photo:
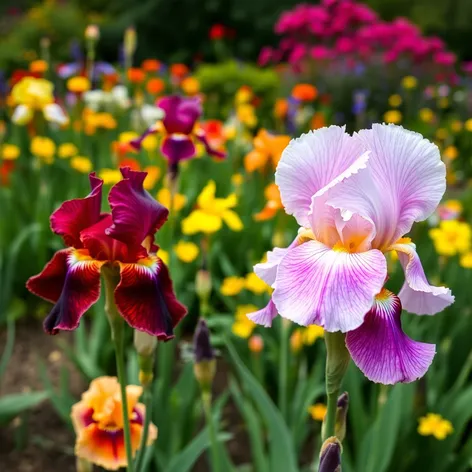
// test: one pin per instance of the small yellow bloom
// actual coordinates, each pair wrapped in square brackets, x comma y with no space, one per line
[186,251]
[127,136]
[150,143]
[435,425]
[468,125]
[466,260]
[153,174]
[164,255]
[318,411]
[211,212]
[254,284]
[451,237]
[409,82]
[426,115]
[393,116]
[443,102]
[312,333]
[395,100]
[81,164]
[456,126]
[232,286]
[43,148]
[190,85]
[78,84]
[163,197]
[243,95]
[442,134]
[110,176]
[451,152]
[243,326]
[246,115]
[296,341]
[237,180]
[10,152]
[67,150]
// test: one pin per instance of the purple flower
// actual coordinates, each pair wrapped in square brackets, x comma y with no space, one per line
[355,197]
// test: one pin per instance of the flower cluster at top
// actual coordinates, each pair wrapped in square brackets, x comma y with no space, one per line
[353,33]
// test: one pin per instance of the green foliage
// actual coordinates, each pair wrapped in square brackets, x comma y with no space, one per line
[15,404]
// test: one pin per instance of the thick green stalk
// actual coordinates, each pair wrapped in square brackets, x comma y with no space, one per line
[147,398]
[117,331]
[337,361]
[215,456]
[283,367]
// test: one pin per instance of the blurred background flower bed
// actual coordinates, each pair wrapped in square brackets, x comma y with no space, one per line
[204,98]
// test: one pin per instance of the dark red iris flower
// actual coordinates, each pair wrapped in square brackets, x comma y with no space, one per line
[122,242]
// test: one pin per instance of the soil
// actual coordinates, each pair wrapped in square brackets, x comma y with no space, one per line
[49,442]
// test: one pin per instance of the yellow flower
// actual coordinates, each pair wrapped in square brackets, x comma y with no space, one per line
[30,95]
[426,115]
[81,164]
[318,411]
[163,197]
[296,341]
[243,326]
[243,95]
[78,84]
[468,124]
[395,100]
[164,255]
[10,152]
[393,116]
[311,334]
[150,143]
[186,251]
[211,212]
[409,82]
[127,136]
[466,260]
[246,115]
[237,180]
[190,85]
[434,425]
[153,174]
[456,126]
[254,284]
[442,134]
[67,150]
[110,176]
[43,148]
[443,102]
[451,152]
[232,286]
[452,237]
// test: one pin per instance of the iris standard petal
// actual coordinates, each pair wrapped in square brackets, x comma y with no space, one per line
[331,288]
[75,215]
[178,147]
[417,295]
[136,214]
[383,352]
[311,162]
[146,300]
[71,280]
[181,113]
[265,316]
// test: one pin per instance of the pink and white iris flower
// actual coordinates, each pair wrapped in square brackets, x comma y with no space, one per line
[355,197]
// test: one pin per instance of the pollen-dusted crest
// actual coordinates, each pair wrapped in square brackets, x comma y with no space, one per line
[121,241]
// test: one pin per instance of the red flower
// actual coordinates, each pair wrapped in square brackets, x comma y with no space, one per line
[217,31]
[123,242]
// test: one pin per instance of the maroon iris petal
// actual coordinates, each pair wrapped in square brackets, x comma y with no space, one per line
[178,147]
[202,137]
[75,215]
[136,215]
[181,113]
[146,300]
[71,280]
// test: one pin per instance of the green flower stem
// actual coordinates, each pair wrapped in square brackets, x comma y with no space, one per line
[215,456]
[337,361]
[283,367]
[117,332]
[147,399]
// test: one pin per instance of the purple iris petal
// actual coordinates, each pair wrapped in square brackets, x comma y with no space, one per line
[181,113]
[178,147]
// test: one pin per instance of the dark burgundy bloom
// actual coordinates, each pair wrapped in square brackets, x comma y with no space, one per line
[180,129]
[122,241]
[201,343]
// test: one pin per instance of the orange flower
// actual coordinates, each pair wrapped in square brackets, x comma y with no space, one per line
[267,147]
[110,80]
[6,168]
[151,65]
[39,66]
[304,92]
[155,86]
[281,108]
[318,121]
[179,70]
[136,75]
[273,205]
[190,85]
[98,423]
[214,132]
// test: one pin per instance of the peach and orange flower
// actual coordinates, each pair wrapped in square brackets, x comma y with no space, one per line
[267,147]
[273,204]
[98,423]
